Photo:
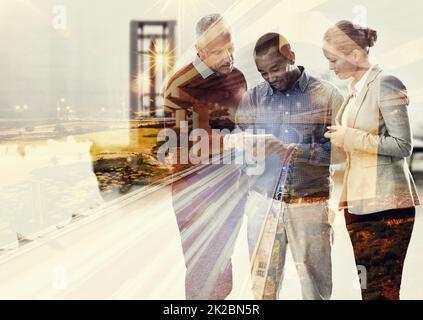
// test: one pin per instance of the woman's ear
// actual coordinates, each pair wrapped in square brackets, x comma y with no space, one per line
[357,56]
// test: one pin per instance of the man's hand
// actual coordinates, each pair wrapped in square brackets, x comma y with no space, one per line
[336,134]
[273,145]
[259,146]
[235,141]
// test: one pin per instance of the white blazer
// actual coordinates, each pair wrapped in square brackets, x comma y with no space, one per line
[377,141]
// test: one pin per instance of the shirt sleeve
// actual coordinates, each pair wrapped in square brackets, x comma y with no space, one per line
[318,152]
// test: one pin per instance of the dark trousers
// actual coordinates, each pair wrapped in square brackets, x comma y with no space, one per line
[380,242]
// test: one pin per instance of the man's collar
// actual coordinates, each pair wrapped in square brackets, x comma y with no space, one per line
[202,68]
[301,83]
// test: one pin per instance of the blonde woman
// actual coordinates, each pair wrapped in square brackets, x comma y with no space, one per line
[372,129]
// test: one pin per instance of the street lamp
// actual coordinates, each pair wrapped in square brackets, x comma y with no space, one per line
[59,106]
[67,112]
[18,110]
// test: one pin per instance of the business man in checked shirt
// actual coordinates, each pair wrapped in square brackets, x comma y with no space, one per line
[296,109]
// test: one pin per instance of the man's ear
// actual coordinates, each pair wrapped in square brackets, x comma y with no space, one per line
[288,53]
[291,57]
[200,51]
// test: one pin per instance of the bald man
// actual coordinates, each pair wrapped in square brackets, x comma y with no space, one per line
[211,82]
[208,205]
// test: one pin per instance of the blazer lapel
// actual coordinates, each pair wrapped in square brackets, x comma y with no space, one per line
[338,117]
[360,98]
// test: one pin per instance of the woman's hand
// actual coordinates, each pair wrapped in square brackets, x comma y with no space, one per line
[336,135]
